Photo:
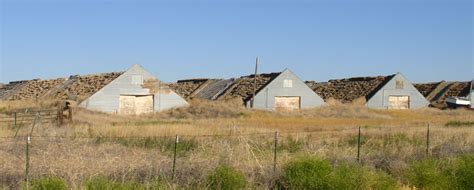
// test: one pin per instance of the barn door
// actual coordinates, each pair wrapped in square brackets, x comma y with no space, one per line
[287,103]
[135,105]
[398,102]
[127,105]
[143,104]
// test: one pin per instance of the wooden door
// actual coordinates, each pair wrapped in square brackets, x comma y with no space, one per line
[398,102]
[135,105]
[143,104]
[287,103]
[127,105]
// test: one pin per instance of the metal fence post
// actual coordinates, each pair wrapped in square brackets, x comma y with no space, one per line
[275,152]
[27,162]
[428,140]
[14,118]
[358,147]
[174,156]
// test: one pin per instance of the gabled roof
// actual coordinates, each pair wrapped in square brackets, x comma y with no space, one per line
[73,87]
[222,89]
[348,89]
[437,92]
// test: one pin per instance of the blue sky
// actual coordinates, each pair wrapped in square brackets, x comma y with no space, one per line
[427,40]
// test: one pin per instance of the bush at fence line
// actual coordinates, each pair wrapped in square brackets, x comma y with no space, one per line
[315,173]
[48,183]
[225,177]
[104,183]
[353,176]
[457,173]
[307,173]
[464,172]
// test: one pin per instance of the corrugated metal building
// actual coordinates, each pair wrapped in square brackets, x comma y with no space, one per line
[135,91]
[382,92]
[274,91]
[285,92]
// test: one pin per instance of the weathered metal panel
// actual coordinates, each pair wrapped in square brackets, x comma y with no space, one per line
[287,103]
[165,101]
[129,83]
[281,86]
[404,88]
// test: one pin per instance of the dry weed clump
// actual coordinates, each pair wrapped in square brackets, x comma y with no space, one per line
[202,109]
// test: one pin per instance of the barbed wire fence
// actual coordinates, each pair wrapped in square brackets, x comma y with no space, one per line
[32,156]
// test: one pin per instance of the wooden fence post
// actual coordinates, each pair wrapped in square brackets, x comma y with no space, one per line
[275,153]
[174,156]
[358,147]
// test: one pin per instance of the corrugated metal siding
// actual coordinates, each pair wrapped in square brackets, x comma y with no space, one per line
[168,101]
[381,101]
[265,99]
[107,99]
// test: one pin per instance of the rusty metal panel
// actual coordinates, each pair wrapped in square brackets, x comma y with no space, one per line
[399,102]
[287,103]
[143,104]
[127,105]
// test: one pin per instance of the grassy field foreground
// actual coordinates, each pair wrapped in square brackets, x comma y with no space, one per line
[222,145]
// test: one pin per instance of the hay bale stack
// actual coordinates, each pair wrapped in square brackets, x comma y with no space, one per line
[185,88]
[350,89]
[85,86]
[35,88]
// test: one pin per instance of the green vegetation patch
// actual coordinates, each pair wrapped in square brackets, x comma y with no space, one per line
[314,173]
[459,124]
[432,173]
[164,144]
[225,177]
[48,183]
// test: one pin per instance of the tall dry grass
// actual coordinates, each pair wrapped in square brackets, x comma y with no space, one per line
[125,147]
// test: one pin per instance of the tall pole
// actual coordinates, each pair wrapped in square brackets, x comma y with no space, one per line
[255,82]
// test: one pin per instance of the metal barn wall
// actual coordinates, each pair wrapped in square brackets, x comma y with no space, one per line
[107,98]
[165,101]
[380,99]
[265,99]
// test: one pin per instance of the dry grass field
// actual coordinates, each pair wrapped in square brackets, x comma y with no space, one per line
[138,150]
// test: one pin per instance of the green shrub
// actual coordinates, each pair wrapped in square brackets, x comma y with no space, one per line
[314,173]
[354,176]
[307,173]
[464,172]
[428,174]
[103,183]
[225,177]
[48,183]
